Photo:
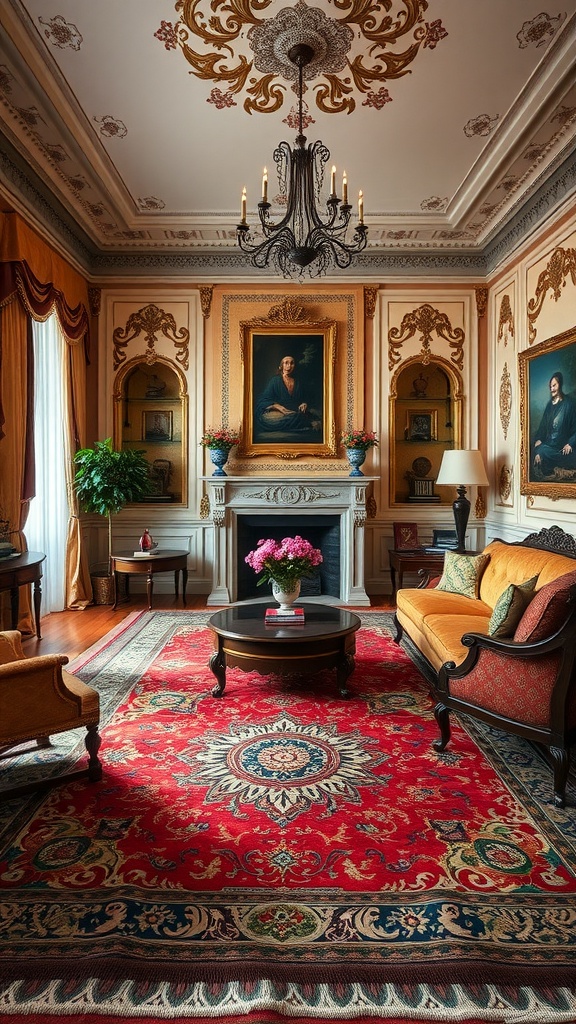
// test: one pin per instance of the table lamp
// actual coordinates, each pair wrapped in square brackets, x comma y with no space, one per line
[462,468]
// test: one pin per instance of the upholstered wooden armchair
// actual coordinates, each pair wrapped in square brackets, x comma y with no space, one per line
[38,699]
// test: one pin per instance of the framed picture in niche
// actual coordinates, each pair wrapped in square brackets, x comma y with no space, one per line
[421,425]
[157,425]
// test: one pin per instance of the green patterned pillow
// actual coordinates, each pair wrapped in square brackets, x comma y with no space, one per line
[462,573]
[509,609]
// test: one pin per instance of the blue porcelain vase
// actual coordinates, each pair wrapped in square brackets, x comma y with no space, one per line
[219,458]
[356,457]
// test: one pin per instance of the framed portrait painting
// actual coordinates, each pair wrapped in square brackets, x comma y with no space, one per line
[288,385]
[547,376]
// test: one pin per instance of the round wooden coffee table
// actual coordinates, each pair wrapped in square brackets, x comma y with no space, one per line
[243,640]
[160,560]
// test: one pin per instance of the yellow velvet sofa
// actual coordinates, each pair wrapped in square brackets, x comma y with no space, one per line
[524,683]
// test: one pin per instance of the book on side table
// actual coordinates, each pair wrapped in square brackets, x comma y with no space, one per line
[292,616]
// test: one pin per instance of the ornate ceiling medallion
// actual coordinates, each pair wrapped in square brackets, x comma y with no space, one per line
[336,70]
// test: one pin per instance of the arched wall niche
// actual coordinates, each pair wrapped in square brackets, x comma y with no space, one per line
[425,419]
[151,413]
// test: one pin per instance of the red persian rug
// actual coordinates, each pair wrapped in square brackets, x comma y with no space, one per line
[283,854]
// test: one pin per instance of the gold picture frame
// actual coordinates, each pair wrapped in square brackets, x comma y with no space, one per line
[157,425]
[421,425]
[288,415]
[550,471]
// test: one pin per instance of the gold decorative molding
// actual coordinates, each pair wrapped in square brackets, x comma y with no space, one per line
[150,320]
[480,507]
[562,264]
[206,294]
[205,507]
[95,300]
[505,480]
[506,319]
[427,320]
[505,399]
[371,507]
[233,44]
[286,312]
[481,300]
[370,295]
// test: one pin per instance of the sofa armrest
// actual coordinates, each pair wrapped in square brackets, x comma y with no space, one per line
[527,683]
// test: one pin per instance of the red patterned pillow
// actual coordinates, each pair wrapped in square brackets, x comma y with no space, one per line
[547,611]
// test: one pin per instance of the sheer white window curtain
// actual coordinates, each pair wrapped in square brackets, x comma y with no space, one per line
[47,524]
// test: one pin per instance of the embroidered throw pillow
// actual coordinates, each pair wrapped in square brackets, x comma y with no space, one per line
[547,612]
[462,573]
[510,607]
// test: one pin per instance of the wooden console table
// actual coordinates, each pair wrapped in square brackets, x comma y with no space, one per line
[15,572]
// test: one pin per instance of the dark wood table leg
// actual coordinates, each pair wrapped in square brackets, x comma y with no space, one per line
[37,603]
[116,583]
[176,581]
[14,606]
[149,589]
[393,579]
[184,585]
[344,670]
[217,665]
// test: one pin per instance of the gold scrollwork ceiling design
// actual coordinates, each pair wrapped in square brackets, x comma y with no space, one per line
[334,73]
[150,320]
[505,320]
[427,320]
[505,400]
[562,264]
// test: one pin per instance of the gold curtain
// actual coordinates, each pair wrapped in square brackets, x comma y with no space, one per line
[35,281]
[14,384]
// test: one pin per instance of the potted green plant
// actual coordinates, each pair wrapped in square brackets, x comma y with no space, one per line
[106,480]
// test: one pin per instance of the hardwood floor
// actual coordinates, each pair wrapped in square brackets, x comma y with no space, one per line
[72,633]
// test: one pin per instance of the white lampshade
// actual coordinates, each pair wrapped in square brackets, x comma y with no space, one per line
[461,468]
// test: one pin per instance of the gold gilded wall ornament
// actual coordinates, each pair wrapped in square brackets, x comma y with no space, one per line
[505,478]
[370,295]
[505,320]
[561,265]
[481,301]
[224,31]
[206,294]
[151,320]
[427,320]
[505,399]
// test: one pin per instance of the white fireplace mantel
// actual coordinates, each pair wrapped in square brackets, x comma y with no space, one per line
[302,496]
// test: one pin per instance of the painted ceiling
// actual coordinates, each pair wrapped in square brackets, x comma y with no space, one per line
[130,127]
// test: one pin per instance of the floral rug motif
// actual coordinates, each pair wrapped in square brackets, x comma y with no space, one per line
[284,850]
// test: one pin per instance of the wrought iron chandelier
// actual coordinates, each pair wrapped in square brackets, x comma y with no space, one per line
[303,241]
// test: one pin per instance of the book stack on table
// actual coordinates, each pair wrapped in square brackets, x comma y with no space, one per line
[279,617]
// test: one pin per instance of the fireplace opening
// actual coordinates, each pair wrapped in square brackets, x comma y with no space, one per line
[322,531]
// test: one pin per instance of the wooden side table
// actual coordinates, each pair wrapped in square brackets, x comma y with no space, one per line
[14,573]
[161,560]
[412,561]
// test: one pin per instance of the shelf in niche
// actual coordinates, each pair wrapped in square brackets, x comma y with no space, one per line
[151,401]
[413,441]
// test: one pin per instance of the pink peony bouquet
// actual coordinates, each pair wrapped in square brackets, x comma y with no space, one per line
[284,563]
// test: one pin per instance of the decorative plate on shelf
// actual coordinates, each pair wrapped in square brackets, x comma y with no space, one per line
[421,466]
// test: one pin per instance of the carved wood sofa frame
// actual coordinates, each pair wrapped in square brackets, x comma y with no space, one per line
[559,733]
